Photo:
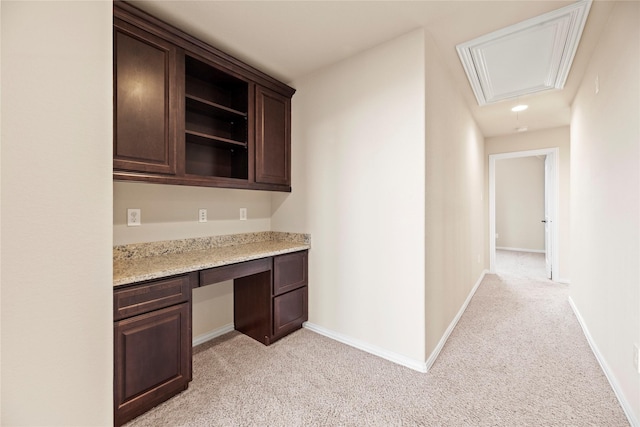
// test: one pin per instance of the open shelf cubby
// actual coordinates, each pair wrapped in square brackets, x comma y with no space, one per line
[216,116]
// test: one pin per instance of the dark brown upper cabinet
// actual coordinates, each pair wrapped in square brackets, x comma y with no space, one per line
[144,97]
[273,138]
[186,113]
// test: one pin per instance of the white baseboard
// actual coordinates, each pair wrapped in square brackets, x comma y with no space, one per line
[394,357]
[626,407]
[536,251]
[201,339]
[416,365]
[436,352]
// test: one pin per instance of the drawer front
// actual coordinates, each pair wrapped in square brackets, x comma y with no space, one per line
[289,272]
[233,271]
[150,296]
[289,311]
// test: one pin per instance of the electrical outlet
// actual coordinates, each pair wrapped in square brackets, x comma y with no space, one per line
[202,215]
[243,214]
[133,217]
[636,357]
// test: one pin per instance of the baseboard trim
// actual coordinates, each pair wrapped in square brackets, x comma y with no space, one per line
[394,357]
[376,351]
[626,407]
[436,352]
[201,339]
[536,251]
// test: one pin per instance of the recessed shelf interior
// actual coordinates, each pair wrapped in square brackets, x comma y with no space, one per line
[216,112]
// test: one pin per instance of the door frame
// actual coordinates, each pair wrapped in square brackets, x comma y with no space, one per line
[553,199]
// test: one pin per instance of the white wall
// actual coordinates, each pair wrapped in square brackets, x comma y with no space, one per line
[549,138]
[358,174]
[520,203]
[57,319]
[170,212]
[455,205]
[605,207]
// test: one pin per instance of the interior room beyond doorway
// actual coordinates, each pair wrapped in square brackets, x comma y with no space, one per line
[523,205]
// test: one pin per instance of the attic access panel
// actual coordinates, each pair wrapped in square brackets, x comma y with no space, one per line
[532,56]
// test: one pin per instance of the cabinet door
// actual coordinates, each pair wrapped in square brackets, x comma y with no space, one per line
[144,102]
[273,138]
[289,311]
[152,359]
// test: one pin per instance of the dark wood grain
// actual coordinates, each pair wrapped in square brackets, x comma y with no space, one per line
[273,138]
[124,10]
[233,271]
[289,272]
[152,324]
[289,312]
[252,306]
[152,360]
[212,104]
[142,101]
[150,296]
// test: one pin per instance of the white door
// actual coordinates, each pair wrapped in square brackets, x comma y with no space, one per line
[549,199]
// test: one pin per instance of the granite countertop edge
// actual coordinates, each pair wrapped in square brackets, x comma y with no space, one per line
[142,262]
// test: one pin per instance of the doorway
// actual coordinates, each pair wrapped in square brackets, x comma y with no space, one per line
[549,219]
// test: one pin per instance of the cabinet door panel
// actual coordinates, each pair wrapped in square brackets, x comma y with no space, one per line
[289,272]
[273,138]
[289,311]
[152,359]
[143,132]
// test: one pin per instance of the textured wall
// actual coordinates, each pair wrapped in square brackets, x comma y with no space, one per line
[520,203]
[358,173]
[57,318]
[605,199]
[455,201]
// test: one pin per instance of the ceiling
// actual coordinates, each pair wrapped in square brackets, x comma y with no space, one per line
[291,39]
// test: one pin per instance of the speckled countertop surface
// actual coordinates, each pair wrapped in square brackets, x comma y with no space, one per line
[146,261]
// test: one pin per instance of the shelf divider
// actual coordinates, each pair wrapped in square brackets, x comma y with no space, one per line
[215,105]
[213,138]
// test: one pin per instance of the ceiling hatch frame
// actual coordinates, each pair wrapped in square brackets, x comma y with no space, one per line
[532,56]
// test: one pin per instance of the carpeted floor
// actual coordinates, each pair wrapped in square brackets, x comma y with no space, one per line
[516,358]
[521,264]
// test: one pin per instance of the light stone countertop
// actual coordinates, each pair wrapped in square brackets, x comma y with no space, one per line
[146,261]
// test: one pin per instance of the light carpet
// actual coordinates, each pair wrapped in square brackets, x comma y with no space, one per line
[516,358]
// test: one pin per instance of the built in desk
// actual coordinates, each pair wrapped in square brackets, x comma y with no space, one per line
[152,305]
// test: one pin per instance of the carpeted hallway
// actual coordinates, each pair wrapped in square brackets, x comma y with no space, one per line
[516,358]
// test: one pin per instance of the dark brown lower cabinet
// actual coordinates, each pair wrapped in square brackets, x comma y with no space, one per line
[289,312]
[152,362]
[290,293]
[152,324]
[252,306]
[268,306]
[152,350]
